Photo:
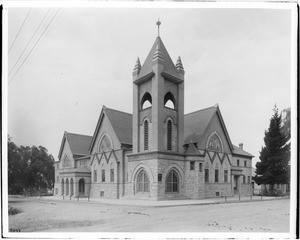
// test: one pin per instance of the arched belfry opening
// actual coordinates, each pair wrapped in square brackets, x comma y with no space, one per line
[169,100]
[146,101]
[158,93]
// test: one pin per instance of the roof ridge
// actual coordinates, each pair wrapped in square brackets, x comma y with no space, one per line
[118,111]
[78,134]
[200,110]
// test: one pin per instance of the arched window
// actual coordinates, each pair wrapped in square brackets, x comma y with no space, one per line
[169,100]
[81,186]
[105,144]
[172,182]
[215,143]
[169,135]
[62,187]
[143,182]
[67,186]
[146,101]
[146,135]
[66,161]
[72,187]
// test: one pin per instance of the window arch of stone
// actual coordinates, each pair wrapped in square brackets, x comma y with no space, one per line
[66,161]
[146,101]
[169,100]
[142,182]
[172,182]
[214,142]
[105,143]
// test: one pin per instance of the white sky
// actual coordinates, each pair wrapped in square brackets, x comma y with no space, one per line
[239,58]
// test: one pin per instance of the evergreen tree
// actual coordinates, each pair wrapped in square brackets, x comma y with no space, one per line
[273,167]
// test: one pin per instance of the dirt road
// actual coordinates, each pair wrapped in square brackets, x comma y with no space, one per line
[73,216]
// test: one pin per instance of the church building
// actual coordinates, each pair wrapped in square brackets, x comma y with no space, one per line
[157,152]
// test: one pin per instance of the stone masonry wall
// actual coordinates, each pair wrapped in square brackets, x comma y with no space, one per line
[103,190]
[224,189]
[134,167]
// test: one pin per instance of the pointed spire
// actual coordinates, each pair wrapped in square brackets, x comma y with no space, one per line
[137,67]
[179,64]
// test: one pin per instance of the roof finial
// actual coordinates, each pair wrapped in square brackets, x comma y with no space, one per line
[158,24]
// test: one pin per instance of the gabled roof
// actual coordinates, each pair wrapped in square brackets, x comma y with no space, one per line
[191,150]
[239,151]
[121,123]
[79,144]
[169,66]
[195,124]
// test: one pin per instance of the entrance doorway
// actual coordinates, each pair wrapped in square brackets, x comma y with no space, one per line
[235,185]
[81,186]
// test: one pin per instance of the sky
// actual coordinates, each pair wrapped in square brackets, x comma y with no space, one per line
[239,58]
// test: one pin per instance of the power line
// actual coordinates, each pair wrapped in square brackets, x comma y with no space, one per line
[33,47]
[29,42]
[20,30]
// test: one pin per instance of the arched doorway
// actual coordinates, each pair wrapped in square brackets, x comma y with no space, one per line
[62,186]
[81,186]
[67,186]
[71,187]
[172,182]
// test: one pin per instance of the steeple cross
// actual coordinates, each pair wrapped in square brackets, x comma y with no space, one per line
[158,24]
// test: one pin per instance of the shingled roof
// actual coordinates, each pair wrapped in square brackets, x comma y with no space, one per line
[79,144]
[121,123]
[239,151]
[169,66]
[195,124]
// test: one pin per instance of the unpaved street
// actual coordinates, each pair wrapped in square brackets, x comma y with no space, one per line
[67,216]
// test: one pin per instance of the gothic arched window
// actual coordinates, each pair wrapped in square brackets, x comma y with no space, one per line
[172,182]
[146,135]
[143,182]
[66,161]
[169,135]
[169,100]
[146,101]
[105,144]
[215,143]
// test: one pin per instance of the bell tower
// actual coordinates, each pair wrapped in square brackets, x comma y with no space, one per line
[158,102]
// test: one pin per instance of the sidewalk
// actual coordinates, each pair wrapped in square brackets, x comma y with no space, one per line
[166,203]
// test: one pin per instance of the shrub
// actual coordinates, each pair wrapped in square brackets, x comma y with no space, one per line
[13,211]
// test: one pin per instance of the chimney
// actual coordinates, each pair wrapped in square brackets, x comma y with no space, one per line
[241,146]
